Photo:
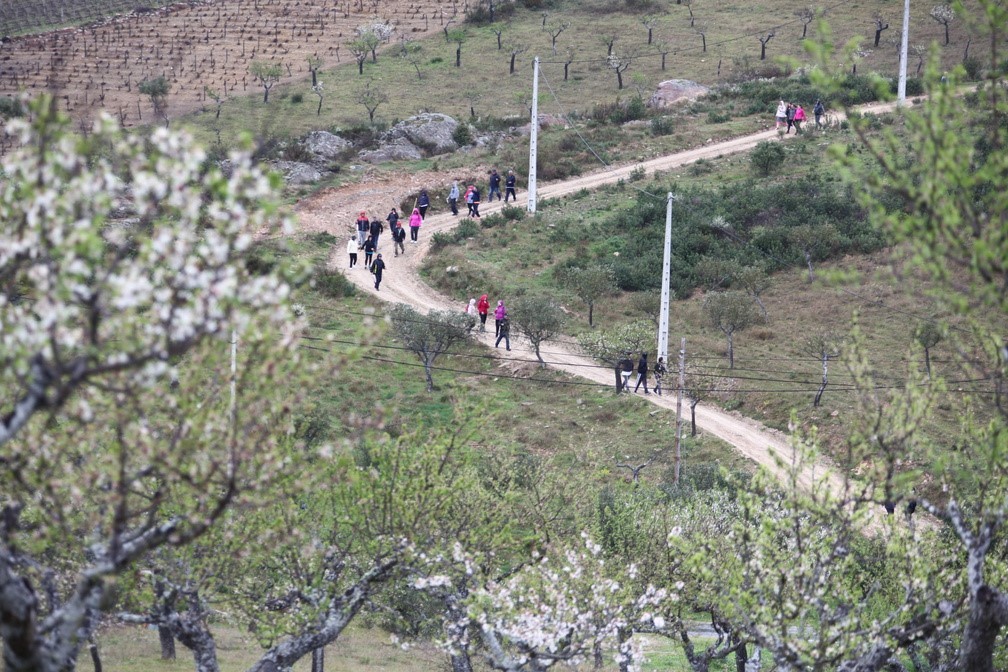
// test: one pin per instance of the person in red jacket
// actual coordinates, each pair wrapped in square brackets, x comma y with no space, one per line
[799,117]
[483,307]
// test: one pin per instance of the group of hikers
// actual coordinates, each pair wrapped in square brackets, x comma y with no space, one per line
[625,369]
[502,323]
[369,231]
[471,197]
[793,115]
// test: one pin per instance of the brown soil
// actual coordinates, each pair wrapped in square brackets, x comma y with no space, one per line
[196,46]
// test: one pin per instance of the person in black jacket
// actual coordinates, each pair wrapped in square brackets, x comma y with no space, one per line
[504,332]
[494,186]
[423,202]
[377,268]
[642,370]
[509,187]
[376,230]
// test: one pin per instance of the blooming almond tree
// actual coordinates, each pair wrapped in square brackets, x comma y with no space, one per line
[122,428]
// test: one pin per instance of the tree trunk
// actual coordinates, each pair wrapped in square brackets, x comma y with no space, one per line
[664,54]
[597,656]
[731,349]
[318,660]
[692,409]
[804,31]
[265,94]
[566,66]
[619,79]
[762,51]
[927,361]
[460,662]
[591,306]
[825,378]
[458,56]
[430,379]
[95,656]
[741,657]
[360,66]
[808,261]
[314,78]
[649,32]
[703,40]
[946,34]
[513,56]
[167,640]
[988,614]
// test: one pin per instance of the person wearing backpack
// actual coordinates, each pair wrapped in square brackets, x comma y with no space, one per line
[819,110]
[504,332]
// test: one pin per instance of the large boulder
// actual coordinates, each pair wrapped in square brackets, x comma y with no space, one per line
[674,91]
[431,130]
[295,172]
[398,149]
[325,146]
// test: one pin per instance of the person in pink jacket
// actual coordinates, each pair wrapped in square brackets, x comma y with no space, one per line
[799,117]
[500,312]
[415,220]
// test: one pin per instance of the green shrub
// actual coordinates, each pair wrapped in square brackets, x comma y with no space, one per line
[661,125]
[10,107]
[323,239]
[490,221]
[767,157]
[297,98]
[714,117]
[462,135]
[700,167]
[332,284]
[513,213]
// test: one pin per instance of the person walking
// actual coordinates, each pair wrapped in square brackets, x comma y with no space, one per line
[469,198]
[781,115]
[504,332]
[494,186]
[626,370]
[790,117]
[475,202]
[377,269]
[423,202]
[500,312]
[483,307]
[642,371]
[470,311]
[818,110]
[363,228]
[415,220]
[377,228]
[393,220]
[399,239]
[453,197]
[351,249]
[509,187]
[659,373]
[369,249]
[799,117]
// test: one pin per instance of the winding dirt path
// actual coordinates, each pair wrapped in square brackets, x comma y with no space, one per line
[402,284]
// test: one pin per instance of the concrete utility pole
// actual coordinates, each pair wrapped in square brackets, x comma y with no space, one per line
[901,88]
[663,320]
[533,133]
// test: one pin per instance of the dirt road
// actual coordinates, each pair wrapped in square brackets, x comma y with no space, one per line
[402,284]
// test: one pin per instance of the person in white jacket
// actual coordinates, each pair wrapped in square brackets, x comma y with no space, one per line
[781,116]
[351,249]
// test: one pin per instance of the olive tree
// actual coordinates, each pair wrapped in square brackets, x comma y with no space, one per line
[539,319]
[122,429]
[589,284]
[729,312]
[429,336]
[157,90]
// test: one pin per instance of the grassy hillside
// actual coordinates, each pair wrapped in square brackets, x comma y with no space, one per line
[426,78]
